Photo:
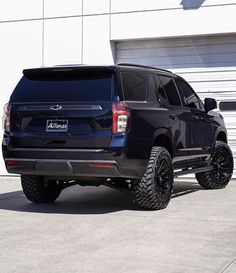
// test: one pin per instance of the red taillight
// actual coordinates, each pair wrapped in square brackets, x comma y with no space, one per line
[10,162]
[120,117]
[6,118]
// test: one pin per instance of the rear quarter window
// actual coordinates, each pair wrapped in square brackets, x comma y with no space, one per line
[134,86]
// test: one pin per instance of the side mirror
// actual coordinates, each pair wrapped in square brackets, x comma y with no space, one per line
[210,104]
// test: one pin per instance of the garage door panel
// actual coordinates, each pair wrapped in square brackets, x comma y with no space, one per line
[183,61]
[209,76]
[202,50]
[218,86]
[177,42]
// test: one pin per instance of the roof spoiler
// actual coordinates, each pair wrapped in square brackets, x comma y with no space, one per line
[43,71]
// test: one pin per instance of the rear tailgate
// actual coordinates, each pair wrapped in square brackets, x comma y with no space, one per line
[62,109]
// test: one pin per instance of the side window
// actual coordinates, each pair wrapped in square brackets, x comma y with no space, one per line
[171,92]
[152,89]
[134,86]
[188,96]
[160,93]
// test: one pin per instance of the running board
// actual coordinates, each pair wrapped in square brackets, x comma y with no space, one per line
[193,170]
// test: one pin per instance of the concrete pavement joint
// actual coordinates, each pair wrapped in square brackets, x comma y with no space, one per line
[228,265]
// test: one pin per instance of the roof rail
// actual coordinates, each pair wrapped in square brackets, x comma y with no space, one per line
[144,66]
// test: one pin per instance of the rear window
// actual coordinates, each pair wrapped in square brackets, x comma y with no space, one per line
[64,88]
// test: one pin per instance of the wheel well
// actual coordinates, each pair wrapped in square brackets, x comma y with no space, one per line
[165,142]
[222,137]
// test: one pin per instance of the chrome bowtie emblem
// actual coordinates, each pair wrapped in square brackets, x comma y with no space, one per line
[55,107]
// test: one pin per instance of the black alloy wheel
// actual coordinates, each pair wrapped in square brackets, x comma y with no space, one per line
[222,168]
[163,173]
[154,189]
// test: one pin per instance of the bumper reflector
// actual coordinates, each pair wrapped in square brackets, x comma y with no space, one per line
[12,162]
[95,164]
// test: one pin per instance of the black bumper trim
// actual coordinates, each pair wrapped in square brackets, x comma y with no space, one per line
[62,160]
[63,167]
[57,150]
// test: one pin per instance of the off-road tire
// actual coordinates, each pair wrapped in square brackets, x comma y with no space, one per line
[223,165]
[154,190]
[37,190]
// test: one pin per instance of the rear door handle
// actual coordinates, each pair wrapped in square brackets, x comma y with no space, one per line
[172,116]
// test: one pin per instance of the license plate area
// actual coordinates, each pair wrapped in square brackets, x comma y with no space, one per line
[53,167]
[59,125]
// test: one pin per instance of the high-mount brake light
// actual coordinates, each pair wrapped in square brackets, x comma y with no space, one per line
[120,117]
[6,117]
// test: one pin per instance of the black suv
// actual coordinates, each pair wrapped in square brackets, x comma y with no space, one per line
[126,126]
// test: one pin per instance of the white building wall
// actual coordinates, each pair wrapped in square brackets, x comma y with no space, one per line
[62,8]
[173,22]
[51,32]
[62,41]
[20,47]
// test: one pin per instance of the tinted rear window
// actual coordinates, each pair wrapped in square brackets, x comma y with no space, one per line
[134,86]
[59,88]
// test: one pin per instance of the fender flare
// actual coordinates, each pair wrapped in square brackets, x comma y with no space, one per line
[219,130]
[164,132]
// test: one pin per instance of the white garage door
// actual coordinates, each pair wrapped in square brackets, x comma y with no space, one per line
[207,63]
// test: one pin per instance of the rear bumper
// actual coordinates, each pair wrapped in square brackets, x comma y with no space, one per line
[73,163]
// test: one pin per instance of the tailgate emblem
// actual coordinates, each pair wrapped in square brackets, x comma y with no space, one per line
[55,107]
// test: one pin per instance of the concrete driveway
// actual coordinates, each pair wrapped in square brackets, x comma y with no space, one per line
[101,230]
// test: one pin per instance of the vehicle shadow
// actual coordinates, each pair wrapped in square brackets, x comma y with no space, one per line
[183,188]
[85,200]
